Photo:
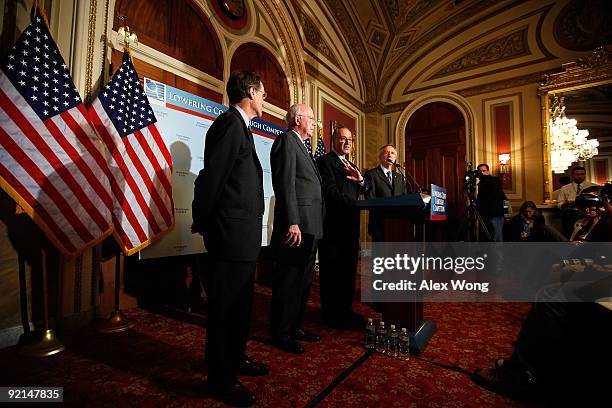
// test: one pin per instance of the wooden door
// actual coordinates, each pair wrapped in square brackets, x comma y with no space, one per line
[435,153]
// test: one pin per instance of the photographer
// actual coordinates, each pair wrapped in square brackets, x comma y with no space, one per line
[490,201]
[562,347]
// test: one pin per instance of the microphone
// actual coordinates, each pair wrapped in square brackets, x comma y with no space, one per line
[399,166]
[395,163]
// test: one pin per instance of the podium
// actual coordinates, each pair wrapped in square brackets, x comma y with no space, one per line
[403,219]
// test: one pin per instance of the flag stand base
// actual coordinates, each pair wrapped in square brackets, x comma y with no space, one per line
[47,345]
[116,323]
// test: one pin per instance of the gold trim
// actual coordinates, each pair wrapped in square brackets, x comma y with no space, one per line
[91,29]
[43,226]
[587,72]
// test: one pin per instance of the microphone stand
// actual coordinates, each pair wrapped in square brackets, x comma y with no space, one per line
[399,167]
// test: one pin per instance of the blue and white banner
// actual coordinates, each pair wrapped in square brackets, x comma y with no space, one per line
[183,120]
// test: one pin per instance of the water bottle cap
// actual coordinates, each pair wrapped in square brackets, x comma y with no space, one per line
[404,330]
[382,324]
[370,320]
[392,327]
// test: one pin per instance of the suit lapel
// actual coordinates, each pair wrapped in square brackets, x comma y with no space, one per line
[249,136]
[303,149]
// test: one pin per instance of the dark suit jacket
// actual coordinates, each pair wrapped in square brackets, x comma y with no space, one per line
[228,199]
[491,196]
[297,188]
[379,187]
[340,193]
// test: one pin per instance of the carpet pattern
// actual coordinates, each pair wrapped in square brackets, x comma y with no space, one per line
[157,362]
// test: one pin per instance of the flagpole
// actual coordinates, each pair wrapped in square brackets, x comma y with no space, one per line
[48,344]
[117,322]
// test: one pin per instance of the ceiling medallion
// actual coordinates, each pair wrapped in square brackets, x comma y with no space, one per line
[234,9]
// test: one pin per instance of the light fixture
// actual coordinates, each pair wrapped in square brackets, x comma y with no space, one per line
[567,143]
[503,161]
[129,39]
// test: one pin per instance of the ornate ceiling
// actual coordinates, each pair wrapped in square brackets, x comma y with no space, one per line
[401,47]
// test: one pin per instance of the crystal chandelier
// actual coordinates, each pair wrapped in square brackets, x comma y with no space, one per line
[567,143]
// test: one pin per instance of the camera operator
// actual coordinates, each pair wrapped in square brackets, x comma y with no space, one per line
[490,201]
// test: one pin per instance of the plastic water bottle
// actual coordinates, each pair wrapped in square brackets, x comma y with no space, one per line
[370,334]
[381,337]
[404,345]
[392,343]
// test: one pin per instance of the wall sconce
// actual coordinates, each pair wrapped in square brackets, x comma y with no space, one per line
[129,39]
[503,161]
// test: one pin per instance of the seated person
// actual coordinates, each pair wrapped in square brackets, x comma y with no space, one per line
[529,226]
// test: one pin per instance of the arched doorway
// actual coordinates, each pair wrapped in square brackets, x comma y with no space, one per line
[435,151]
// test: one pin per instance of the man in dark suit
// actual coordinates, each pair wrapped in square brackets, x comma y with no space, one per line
[298,225]
[383,182]
[338,250]
[228,207]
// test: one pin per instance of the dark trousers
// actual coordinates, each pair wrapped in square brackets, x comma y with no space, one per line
[230,299]
[337,272]
[290,292]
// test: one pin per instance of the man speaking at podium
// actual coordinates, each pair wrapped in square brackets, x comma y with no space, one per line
[383,182]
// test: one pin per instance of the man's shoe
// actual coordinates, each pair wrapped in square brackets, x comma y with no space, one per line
[288,344]
[253,369]
[507,380]
[236,394]
[309,337]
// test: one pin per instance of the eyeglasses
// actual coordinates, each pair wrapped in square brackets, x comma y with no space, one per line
[264,95]
[309,117]
[345,139]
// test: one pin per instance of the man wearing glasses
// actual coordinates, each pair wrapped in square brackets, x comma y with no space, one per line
[228,207]
[338,250]
[298,225]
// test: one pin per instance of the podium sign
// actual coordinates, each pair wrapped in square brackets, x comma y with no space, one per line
[438,203]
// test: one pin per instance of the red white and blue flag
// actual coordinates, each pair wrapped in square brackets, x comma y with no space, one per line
[52,163]
[140,163]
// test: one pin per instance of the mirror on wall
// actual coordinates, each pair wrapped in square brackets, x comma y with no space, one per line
[583,92]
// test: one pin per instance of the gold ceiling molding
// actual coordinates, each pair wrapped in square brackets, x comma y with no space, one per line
[313,37]
[501,49]
[447,26]
[589,70]
[351,33]
[293,49]
[403,12]
[315,74]
[522,80]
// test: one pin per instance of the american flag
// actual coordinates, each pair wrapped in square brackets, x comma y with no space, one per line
[140,163]
[51,161]
[320,151]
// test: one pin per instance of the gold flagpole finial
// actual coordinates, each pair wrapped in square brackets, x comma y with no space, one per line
[130,39]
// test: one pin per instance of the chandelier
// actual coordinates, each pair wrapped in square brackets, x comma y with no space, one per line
[567,143]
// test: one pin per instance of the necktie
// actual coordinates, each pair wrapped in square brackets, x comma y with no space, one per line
[346,163]
[390,177]
[577,188]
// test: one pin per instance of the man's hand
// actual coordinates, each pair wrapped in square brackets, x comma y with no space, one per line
[353,173]
[193,229]
[293,236]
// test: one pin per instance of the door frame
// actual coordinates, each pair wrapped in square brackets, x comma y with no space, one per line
[449,97]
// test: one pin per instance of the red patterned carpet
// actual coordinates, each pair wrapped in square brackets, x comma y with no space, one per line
[158,362]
